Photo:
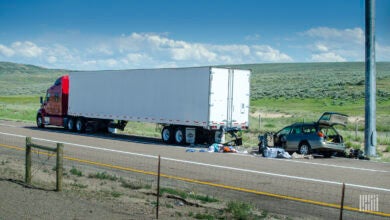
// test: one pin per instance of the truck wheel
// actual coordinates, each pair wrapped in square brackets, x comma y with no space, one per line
[70,125]
[80,125]
[167,135]
[180,136]
[304,148]
[40,123]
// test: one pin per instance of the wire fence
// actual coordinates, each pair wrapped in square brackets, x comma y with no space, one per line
[196,182]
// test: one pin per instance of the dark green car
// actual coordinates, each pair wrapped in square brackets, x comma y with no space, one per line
[316,137]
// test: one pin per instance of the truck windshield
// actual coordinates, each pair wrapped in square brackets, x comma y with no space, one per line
[47,96]
[58,81]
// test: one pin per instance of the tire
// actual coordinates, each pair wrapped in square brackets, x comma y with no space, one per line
[80,125]
[167,135]
[70,125]
[40,123]
[180,136]
[304,148]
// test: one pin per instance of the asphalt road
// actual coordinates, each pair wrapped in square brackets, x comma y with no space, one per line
[317,180]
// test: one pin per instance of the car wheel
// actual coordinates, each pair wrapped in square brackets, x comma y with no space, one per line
[304,148]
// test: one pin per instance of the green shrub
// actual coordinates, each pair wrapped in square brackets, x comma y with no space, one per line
[239,210]
[116,194]
[349,144]
[75,172]
[103,176]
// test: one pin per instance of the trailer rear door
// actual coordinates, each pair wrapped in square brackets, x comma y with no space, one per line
[240,101]
[229,97]
[219,81]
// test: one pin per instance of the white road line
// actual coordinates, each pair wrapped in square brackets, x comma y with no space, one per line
[13,135]
[332,165]
[5,125]
[205,164]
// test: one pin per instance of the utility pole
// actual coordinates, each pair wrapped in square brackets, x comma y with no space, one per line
[370,98]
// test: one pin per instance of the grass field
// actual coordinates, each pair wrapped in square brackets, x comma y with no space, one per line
[294,92]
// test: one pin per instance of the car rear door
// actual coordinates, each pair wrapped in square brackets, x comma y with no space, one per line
[293,139]
[333,118]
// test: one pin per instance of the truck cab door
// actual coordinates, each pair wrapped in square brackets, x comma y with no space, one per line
[53,100]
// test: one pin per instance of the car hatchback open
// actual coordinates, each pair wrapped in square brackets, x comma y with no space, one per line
[316,137]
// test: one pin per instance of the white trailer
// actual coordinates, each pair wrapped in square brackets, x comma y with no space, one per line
[193,104]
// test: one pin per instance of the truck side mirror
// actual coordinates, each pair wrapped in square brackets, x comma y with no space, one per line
[41,100]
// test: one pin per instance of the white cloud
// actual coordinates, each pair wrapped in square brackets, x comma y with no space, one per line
[162,49]
[327,57]
[101,49]
[335,45]
[6,51]
[140,50]
[382,52]
[51,59]
[321,47]
[26,49]
[269,54]
[355,35]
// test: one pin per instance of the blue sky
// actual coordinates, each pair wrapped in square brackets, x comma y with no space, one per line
[89,35]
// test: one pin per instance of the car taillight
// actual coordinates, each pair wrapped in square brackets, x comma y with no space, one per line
[321,134]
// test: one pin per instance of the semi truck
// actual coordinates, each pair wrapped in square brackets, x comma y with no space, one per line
[193,105]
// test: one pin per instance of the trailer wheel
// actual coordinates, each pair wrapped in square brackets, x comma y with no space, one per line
[80,125]
[167,135]
[40,123]
[180,136]
[70,125]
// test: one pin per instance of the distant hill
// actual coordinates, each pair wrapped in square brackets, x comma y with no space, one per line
[15,68]
[316,80]
[21,79]
[288,80]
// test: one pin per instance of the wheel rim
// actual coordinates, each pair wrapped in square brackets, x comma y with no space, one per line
[70,124]
[304,149]
[79,125]
[39,121]
[166,134]
[179,136]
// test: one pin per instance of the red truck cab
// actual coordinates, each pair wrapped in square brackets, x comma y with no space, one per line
[54,108]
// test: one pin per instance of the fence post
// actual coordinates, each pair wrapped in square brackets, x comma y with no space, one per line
[158,186]
[59,169]
[356,129]
[342,202]
[28,161]
[259,122]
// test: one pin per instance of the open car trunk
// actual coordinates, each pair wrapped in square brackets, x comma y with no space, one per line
[333,118]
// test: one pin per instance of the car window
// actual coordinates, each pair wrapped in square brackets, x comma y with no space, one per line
[309,129]
[329,131]
[284,131]
[296,130]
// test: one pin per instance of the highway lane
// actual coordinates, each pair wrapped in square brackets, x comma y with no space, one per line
[297,178]
[375,174]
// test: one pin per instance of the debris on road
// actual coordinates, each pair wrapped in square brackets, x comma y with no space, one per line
[276,153]
[301,156]
[216,148]
[357,154]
